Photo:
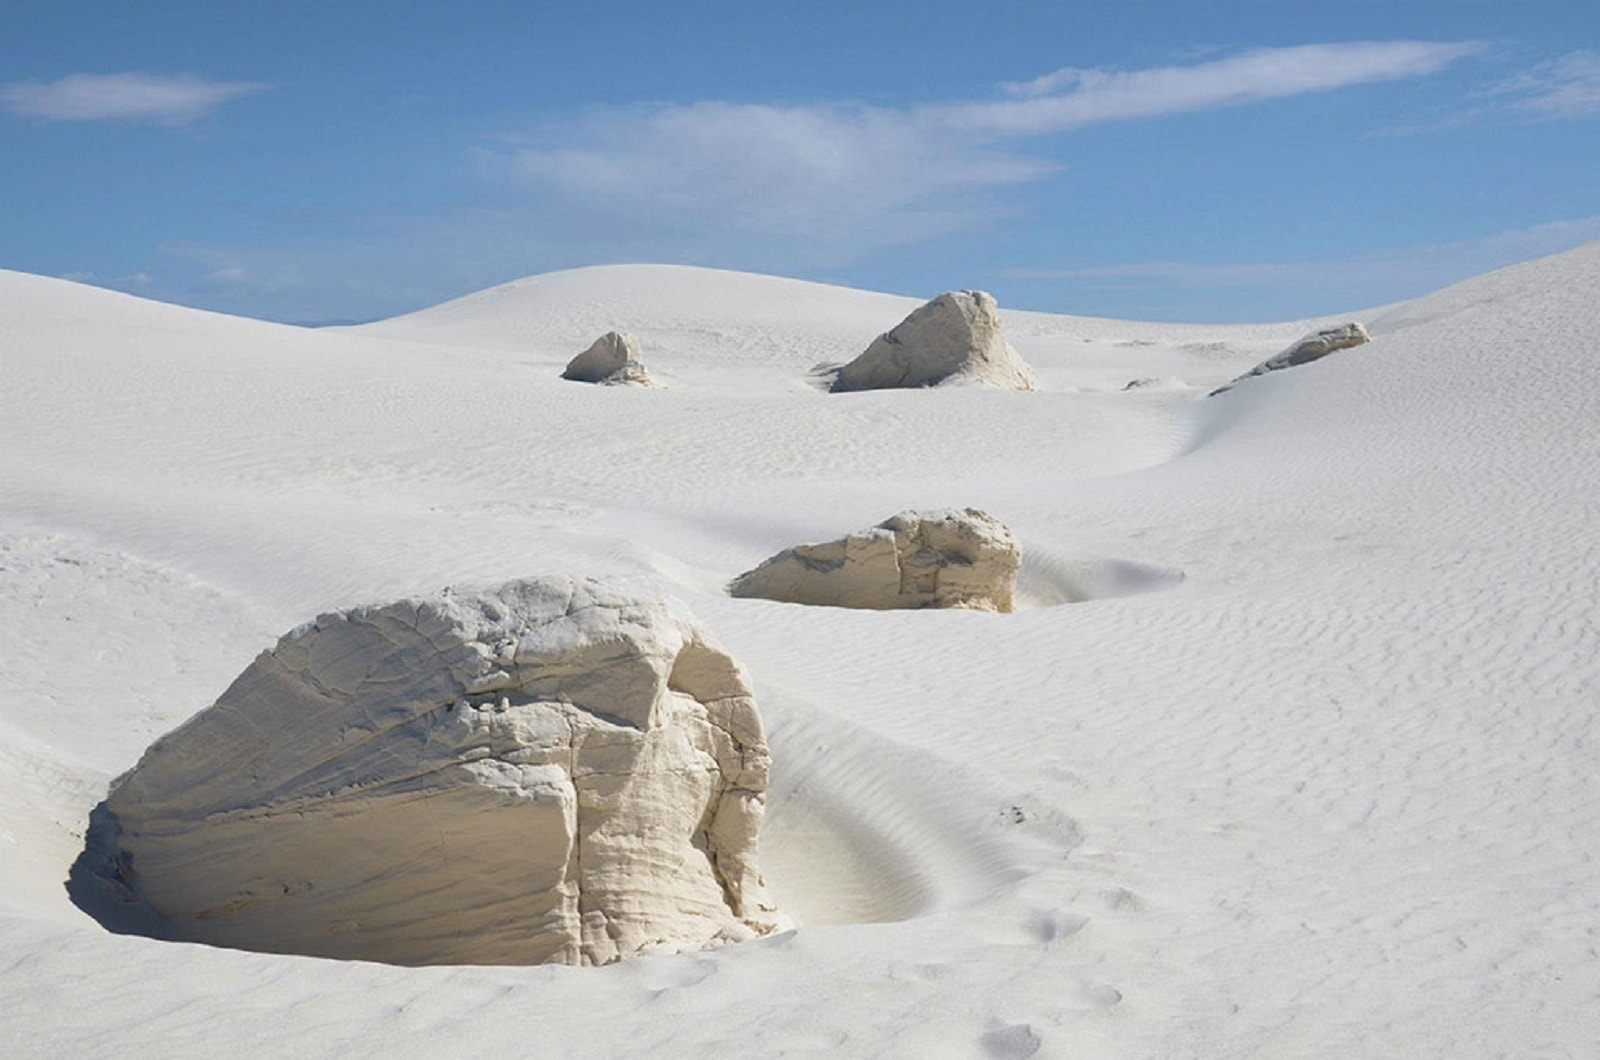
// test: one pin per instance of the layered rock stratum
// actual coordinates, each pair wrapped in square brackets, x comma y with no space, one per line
[957,337]
[611,360]
[556,770]
[941,558]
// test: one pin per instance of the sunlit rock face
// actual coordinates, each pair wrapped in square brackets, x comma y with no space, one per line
[941,558]
[611,360]
[957,337]
[557,770]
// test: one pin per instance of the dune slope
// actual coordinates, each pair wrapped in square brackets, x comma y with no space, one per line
[1288,749]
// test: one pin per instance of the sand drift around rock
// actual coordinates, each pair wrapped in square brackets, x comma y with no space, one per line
[1312,347]
[557,770]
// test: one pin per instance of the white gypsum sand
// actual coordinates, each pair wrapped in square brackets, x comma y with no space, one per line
[1287,749]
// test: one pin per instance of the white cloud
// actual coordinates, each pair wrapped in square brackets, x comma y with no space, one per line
[856,174]
[1071,98]
[167,99]
[870,177]
[1353,282]
[791,189]
[1565,88]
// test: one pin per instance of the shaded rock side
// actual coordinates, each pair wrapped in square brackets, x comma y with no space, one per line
[557,770]
[948,558]
[611,360]
[957,337]
[1312,347]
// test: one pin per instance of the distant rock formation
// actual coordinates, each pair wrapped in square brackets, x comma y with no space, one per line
[611,360]
[1316,345]
[948,558]
[955,337]
[558,770]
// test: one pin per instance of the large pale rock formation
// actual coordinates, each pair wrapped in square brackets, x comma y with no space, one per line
[1312,347]
[947,558]
[557,770]
[957,337]
[611,360]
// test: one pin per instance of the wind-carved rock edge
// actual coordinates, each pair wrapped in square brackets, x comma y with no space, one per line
[556,770]
[1308,348]
[941,558]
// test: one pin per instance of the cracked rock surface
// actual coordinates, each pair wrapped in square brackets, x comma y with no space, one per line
[942,558]
[611,360]
[957,337]
[557,770]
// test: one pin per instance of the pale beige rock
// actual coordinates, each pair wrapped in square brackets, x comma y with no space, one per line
[557,770]
[948,558]
[957,337]
[611,360]
[1312,347]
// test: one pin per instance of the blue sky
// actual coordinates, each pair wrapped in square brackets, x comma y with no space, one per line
[1225,161]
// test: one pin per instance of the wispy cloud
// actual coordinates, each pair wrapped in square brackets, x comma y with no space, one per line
[798,189]
[131,281]
[1071,98]
[870,177]
[1340,283]
[1564,88]
[165,99]
[863,175]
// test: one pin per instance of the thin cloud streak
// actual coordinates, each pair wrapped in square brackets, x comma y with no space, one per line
[1094,96]
[1563,89]
[1363,280]
[164,99]
[1566,88]
[795,190]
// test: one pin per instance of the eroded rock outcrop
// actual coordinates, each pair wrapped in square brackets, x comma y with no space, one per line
[946,558]
[1312,347]
[557,770]
[957,337]
[611,360]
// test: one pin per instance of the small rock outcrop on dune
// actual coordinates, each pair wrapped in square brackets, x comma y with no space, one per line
[956,337]
[1314,346]
[949,558]
[611,360]
[558,770]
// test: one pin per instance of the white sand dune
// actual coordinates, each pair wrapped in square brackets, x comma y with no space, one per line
[1288,750]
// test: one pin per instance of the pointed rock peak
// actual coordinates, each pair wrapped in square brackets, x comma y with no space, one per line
[610,360]
[957,337]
